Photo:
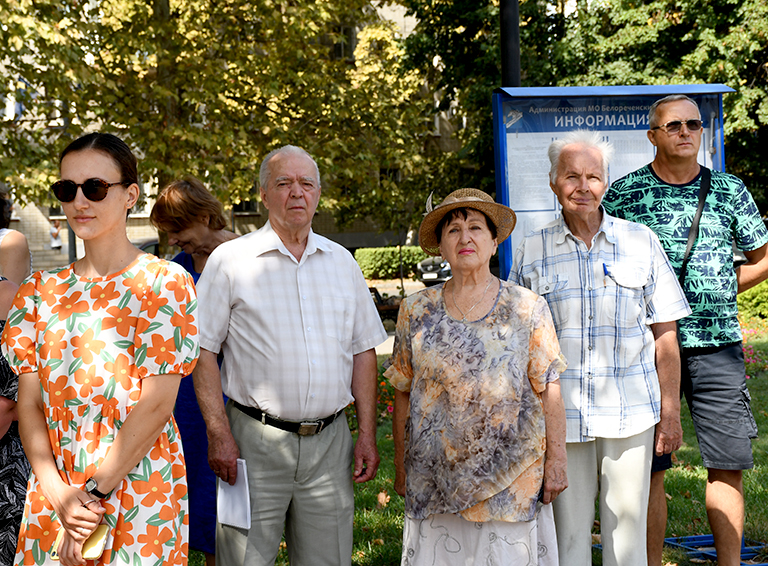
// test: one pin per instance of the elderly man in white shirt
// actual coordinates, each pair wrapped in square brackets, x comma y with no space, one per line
[614,299]
[292,314]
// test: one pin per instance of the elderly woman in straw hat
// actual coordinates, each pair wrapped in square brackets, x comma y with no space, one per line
[479,425]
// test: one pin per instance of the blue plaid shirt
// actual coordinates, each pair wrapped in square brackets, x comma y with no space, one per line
[603,300]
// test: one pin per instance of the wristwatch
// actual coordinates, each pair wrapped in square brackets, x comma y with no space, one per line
[93,488]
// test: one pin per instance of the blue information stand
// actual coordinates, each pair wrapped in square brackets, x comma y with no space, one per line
[527,120]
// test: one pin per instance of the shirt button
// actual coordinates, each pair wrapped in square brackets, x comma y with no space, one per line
[546,288]
[590,317]
[309,329]
[589,288]
[589,347]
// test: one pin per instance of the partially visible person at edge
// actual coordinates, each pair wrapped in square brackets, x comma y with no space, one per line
[100,347]
[293,315]
[614,299]
[664,196]
[14,466]
[479,425]
[55,231]
[194,220]
[15,259]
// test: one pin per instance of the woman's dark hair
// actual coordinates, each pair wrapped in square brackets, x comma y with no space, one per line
[113,146]
[463,212]
[6,207]
[182,202]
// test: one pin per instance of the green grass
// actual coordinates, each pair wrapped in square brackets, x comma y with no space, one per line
[378,525]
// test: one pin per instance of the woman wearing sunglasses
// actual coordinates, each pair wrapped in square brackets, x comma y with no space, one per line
[100,347]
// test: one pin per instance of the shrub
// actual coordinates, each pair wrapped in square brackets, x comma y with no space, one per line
[384,263]
[754,302]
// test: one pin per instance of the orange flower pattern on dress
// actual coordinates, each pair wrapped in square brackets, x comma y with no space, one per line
[154,540]
[120,319]
[87,381]
[86,346]
[103,295]
[122,371]
[69,305]
[91,341]
[53,344]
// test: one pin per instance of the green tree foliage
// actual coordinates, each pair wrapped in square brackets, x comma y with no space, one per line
[606,42]
[456,46]
[208,87]
[684,42]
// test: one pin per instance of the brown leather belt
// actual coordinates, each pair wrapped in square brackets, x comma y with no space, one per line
[304,428]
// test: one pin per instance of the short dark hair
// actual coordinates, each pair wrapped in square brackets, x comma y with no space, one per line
[182,202]
[114,147]
[671,98]
[462,212]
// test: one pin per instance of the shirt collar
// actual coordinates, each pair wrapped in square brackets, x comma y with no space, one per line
[607,228]
[269,241]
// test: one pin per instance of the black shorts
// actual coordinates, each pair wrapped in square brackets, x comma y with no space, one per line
[714,383]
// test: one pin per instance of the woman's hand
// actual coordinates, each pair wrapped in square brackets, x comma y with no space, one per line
[78,512]
[555,478]
[555,458]
[70,550]
[400,481]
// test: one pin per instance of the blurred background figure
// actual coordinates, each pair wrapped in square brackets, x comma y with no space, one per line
[14,467]
[56,235]
[15,261]
[194,220]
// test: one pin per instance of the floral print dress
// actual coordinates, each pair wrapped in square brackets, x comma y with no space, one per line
[92,341]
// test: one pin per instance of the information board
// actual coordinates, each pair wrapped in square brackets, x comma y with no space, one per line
[527,120]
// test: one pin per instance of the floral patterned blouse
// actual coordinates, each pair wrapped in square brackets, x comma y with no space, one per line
[92,341]
[475,436]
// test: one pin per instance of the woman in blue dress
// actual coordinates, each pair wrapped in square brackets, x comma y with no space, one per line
[194,220]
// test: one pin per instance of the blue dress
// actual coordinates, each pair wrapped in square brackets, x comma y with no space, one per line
[200,478]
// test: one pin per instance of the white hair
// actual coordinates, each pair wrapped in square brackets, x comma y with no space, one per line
[584,138]
[288,150]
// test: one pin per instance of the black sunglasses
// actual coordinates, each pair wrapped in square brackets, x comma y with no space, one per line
[674,126]
[93,189]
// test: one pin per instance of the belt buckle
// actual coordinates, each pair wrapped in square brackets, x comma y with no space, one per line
[310,428]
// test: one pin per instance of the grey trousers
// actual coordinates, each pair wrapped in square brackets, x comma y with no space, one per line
[302,483]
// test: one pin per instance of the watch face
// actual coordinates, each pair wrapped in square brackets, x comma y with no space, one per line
[91,484]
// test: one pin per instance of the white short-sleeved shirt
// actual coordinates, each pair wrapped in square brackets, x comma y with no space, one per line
[288,329]
[604,300]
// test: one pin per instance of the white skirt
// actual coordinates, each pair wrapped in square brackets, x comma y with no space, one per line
[451,540]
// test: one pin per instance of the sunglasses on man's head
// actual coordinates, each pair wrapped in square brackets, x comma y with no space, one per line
[674,126]
[93,189]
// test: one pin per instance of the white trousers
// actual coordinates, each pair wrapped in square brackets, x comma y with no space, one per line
[620,469]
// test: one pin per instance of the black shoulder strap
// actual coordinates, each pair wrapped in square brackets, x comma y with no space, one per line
[706,179]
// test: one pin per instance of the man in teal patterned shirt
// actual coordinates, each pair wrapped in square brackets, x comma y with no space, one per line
[664,196]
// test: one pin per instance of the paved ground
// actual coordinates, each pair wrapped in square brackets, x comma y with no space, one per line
[389,288]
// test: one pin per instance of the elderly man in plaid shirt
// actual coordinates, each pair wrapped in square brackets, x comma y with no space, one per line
[614,299]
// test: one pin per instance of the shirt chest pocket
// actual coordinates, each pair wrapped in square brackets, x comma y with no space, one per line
[554,290]
[338,317]
[624,301]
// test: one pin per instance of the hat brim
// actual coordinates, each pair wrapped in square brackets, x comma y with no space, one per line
[503,218]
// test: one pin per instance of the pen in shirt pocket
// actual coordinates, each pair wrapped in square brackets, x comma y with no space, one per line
[606,274]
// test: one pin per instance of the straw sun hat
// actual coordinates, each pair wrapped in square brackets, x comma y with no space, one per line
[502,216]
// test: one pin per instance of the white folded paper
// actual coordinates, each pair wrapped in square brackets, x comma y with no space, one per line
[233,502]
